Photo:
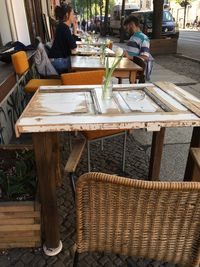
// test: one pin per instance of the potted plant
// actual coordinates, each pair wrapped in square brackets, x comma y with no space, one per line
[19,207]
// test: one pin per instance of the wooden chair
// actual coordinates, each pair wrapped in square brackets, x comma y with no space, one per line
[93,77]
[140,74]
[140,77]
[154,220]
[21,67]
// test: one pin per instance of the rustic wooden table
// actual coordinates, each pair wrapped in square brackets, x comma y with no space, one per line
[126,67]
[81,108]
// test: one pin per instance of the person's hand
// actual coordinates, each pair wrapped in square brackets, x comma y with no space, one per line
[127,55]
[75,26]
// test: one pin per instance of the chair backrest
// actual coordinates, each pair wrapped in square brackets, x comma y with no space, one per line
[83,77]
[20,62]
[140,74]
[155,220]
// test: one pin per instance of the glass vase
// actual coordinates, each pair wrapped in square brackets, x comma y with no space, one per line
[107,89]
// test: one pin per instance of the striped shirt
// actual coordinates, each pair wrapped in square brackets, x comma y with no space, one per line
[138,45]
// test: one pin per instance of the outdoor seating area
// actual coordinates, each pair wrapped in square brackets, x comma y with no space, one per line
[83,134]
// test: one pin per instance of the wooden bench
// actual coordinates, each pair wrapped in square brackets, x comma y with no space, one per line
[73,160]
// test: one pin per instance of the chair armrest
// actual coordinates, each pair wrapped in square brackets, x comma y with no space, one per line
[195,152]
[75,156]
[196,156]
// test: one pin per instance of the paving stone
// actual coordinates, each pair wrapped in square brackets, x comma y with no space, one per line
[4,261]
[35,260]
[19,264]
[27,257]
[59,264]
[41,263]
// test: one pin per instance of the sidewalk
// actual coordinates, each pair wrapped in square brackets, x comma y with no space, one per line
[138,151]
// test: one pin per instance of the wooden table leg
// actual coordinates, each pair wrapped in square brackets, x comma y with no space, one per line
[195,142]
[132,76]
[46,153]
[156,155]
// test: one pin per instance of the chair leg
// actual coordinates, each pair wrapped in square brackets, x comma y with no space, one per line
[124,152]
[88,155]
[75,262]
[70,141]
[119,80]
[72,181]
[102,144]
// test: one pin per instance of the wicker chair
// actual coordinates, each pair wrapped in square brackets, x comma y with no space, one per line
[154,220]
[93,77]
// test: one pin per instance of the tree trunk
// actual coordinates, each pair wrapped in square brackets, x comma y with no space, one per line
[185,8]
[122,22]
[101,6]
[87,15]
[157,18]
[106,19]
[90,6]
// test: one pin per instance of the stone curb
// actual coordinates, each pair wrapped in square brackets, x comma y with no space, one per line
[187,57]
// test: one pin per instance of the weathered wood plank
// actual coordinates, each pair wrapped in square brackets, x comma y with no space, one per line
[189,104]
[156,155]
[166,103]
[12,215]
[19,245]
[75,156]
[17,221]
[10,228]
[46,156]
[15,234]
[14,206]
[20,238]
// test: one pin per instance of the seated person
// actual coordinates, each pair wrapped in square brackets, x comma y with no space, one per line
[64,43]
[138,44]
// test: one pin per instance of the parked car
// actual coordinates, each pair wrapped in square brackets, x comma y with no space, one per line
[169,26]
[115,16]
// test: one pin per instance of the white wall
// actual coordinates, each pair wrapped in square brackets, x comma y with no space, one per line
[21,21]
[5,31]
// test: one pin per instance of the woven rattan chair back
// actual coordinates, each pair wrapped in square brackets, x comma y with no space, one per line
[155,220]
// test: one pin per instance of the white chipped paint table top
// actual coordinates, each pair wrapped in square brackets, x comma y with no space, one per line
[92,50]
[94,43]
[71,108]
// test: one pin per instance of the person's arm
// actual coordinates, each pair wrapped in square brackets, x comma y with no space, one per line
[75,30]
[70,41]
[144,50]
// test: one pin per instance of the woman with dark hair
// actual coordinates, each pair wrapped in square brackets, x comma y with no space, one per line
[64,43]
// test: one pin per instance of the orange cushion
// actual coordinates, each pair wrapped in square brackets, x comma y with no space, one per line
[91,135]
[20,62]
[34,84]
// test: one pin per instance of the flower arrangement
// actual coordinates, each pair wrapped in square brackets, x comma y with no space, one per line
[110,69]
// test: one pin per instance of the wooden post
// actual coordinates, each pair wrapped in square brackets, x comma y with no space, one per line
[156,155]
[122,22]
[46,154]
[157,18]
[195,142]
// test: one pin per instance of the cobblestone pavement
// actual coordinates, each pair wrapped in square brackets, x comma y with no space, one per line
[108,161]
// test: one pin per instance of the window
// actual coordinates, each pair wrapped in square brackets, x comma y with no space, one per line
[167,17]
